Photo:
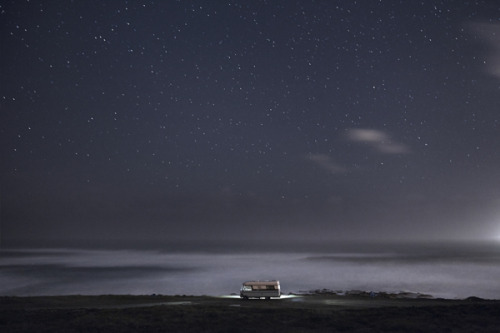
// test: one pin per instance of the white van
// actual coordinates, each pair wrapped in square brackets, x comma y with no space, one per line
[260,289]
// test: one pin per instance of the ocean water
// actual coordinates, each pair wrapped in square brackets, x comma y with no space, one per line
[448,270]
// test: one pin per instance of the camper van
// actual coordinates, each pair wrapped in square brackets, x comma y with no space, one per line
[258,289]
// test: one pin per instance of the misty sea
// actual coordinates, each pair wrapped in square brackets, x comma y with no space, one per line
[447,270]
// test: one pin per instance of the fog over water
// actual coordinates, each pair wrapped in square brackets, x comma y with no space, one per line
[446,270]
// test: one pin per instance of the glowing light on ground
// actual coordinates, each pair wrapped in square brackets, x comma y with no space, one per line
[273,298]
[229,296]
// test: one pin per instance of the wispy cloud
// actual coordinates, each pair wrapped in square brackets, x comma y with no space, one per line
[327,163]
[378,140]
[489,33]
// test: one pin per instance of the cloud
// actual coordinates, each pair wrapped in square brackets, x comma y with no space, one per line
[326,163]
[376,139]
[489,33]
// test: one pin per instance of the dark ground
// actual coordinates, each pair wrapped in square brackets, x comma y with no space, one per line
[313,313]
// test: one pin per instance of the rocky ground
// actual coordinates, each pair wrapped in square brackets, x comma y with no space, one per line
[316,312]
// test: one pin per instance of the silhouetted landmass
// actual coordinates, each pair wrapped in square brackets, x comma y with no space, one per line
[312,313]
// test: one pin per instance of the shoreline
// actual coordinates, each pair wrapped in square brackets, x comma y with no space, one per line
[301,293]
[351,299]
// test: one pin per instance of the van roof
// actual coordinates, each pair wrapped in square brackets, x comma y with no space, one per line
[261,283]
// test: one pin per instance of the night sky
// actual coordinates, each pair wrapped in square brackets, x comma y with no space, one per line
[277,120]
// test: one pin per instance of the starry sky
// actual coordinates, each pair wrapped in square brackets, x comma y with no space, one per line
[319,120]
